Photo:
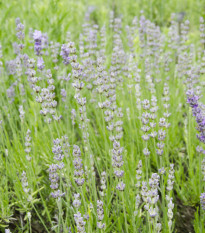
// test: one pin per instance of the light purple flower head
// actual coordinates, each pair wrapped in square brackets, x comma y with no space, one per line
[202,200]
[65,54]
[37,36]
[40,63]
[19,29]
[192,99]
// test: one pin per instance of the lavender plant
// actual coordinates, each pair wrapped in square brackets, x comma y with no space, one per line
[120,88]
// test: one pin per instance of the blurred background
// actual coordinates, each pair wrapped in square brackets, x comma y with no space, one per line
[56,17]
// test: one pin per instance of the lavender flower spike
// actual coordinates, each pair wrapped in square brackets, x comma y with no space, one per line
[202,200]
[37,36]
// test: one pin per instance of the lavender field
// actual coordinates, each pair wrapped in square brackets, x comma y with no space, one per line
[102,116]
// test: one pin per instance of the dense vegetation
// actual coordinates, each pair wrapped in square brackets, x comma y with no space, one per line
[102,117]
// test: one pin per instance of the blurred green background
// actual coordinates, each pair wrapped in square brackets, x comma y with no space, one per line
[58,16]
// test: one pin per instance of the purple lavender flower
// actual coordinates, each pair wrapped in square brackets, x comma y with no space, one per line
[65,54]
[192,99]
[120,186]
[79,172]
[100,213]
[80,224]
[19,30]
[37,36]
[198,112]
[54,168]
[63,94]
[202,200]
[40,63]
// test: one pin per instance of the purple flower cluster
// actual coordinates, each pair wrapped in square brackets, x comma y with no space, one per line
[79,172]
[80,223]
[100,214]
[198,113]
[202,200]
[53,169]
[20,32]
[40,63]
[151,196]
[66,51]
[37,36]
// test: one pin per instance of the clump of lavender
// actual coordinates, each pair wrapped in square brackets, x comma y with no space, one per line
[100,213]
